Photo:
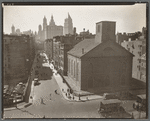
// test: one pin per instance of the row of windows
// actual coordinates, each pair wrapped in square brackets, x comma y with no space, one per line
[73,68]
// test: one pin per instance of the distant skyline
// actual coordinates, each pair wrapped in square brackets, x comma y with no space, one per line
[129,18]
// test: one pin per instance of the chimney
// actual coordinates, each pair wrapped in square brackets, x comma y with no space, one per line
[82,50]
[105,31]
[74,30]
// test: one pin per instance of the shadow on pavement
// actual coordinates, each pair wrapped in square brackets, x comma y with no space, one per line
[25,111]
[134,85]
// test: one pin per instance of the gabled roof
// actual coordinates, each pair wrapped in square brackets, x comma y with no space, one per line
[86,44]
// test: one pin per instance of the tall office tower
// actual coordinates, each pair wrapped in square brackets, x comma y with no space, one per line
[68,25]
[44,37]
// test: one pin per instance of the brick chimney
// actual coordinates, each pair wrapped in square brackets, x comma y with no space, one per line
[105,31]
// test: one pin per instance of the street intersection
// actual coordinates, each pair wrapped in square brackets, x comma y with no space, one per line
[55,105]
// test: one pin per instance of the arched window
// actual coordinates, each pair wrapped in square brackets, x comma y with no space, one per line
[74,70]
[69,65]
[77,72]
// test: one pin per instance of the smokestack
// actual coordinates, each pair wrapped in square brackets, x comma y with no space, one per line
[105,31]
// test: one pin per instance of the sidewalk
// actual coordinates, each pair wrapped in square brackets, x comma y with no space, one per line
[19,105]
[64,88]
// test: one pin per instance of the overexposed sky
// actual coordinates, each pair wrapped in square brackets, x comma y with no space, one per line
[129,18]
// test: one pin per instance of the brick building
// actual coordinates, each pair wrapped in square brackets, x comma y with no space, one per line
[48,47]
[61,45]
[18,55]
[101,63]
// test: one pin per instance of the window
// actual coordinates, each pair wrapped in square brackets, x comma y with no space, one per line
[69,65]
[139,53]
[139,60]
[74,70]
[77,72]
[98,28]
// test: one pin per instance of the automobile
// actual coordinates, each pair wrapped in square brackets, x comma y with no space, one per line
[36,81]
[108,106]
[140,103]
[107,96]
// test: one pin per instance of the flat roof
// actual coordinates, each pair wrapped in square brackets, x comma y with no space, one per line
[106,22]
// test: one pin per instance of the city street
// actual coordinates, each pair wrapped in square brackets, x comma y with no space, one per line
[56,106]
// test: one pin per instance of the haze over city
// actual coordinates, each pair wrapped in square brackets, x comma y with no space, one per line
[129,18]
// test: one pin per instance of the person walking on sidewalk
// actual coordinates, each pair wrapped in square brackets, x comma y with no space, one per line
[56,91]
[42,101]
[50,96]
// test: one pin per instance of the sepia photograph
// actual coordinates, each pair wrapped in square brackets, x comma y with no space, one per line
[73,61]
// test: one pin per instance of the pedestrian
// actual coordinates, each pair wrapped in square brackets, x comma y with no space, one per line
[42,101]
[62,90]
[132,116]
[87,98]
[56,91]
[50,96]
[73,97]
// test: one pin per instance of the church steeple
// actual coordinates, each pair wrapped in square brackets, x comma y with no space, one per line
[52,23]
